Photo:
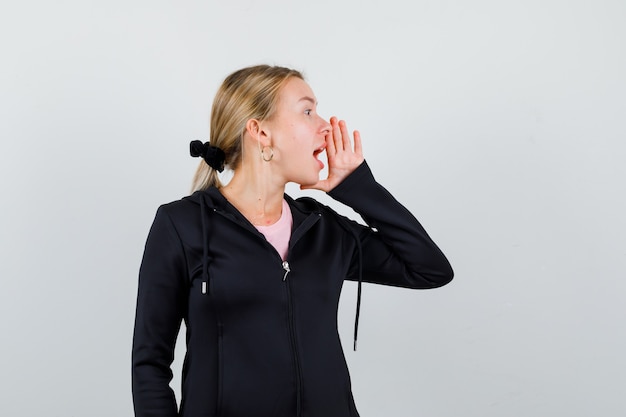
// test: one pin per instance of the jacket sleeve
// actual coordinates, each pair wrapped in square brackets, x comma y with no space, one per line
[396,250]
[160,308]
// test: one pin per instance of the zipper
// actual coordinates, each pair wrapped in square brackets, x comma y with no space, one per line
[296,235]
[287,270]
[292,337]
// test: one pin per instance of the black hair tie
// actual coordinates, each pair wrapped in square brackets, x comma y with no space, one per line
[212,155]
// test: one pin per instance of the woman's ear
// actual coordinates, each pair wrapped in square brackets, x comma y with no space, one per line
[259,132]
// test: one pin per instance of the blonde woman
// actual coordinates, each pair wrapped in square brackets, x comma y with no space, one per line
[256,275]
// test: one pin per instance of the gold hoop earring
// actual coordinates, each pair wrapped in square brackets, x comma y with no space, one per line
[264,155]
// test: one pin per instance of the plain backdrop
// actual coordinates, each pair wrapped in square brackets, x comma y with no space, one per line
[499,124]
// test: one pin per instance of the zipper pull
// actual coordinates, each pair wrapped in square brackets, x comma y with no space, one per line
[203,287]
[286,268]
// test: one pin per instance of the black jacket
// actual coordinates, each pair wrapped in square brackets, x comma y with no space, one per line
[262,336]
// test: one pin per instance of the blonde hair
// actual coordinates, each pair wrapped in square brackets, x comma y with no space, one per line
[249,93]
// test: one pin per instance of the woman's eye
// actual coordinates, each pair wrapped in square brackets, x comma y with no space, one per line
[307,112]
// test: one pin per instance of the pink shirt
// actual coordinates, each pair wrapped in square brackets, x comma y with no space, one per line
[279,233]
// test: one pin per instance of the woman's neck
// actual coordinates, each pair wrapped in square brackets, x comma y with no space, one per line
[255,196]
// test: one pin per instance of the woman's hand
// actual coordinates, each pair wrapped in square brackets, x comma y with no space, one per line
[342,158]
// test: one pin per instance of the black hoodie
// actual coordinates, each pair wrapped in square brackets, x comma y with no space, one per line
[262,336]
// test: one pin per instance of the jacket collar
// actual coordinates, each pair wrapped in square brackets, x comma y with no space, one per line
[301,209]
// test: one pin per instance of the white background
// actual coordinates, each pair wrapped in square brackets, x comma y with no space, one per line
[499,124]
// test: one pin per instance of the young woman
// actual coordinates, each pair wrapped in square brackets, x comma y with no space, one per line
[256,275]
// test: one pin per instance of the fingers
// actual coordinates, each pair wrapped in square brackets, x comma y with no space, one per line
[331,150]
[345,136]
[339,139]
[358,145]
[337,134]
[343,156]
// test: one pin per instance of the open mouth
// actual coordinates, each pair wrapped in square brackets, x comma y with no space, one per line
[316,154]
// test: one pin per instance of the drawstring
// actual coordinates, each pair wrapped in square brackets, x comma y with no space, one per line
[205,245]
[354,234]
[218,322]
[358,291]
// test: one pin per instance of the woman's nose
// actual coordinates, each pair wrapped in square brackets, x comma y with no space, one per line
[325,126]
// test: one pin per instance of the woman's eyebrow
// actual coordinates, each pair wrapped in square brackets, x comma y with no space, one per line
[307,98]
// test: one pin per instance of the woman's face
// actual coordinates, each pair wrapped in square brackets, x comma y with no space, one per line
[297,134]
